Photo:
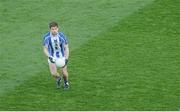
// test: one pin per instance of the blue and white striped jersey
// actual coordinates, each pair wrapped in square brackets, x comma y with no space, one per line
[55,44]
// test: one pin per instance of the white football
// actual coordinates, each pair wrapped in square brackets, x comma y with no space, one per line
[60,62]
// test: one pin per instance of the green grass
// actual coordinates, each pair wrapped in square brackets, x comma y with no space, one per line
[126,61]
[27,21]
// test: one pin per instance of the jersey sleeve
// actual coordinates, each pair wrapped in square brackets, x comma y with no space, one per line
[45,41]
[63,37]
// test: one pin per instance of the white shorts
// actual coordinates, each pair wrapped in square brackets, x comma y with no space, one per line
[49,62]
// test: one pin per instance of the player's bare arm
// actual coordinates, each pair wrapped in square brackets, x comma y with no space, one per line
[45,49]
[66,47]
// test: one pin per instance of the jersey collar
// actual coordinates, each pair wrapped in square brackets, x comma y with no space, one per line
[53,36]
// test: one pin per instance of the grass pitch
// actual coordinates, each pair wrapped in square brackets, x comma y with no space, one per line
[124,55]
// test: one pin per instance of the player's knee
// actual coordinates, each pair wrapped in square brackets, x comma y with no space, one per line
[65,71]
[53,73]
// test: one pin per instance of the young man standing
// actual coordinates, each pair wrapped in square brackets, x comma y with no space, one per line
[55,46]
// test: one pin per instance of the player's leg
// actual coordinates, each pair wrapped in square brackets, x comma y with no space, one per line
[55,74]
[65,77]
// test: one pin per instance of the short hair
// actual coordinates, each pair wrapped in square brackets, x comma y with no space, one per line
[53,24]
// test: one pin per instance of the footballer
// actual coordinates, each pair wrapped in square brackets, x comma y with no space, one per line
[55,46]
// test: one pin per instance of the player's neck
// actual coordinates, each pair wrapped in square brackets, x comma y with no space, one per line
[53,35]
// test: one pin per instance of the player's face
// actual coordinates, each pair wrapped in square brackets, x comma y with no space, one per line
[54,30]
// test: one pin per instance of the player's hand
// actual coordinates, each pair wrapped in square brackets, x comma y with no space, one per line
[52,59]
[66,61]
